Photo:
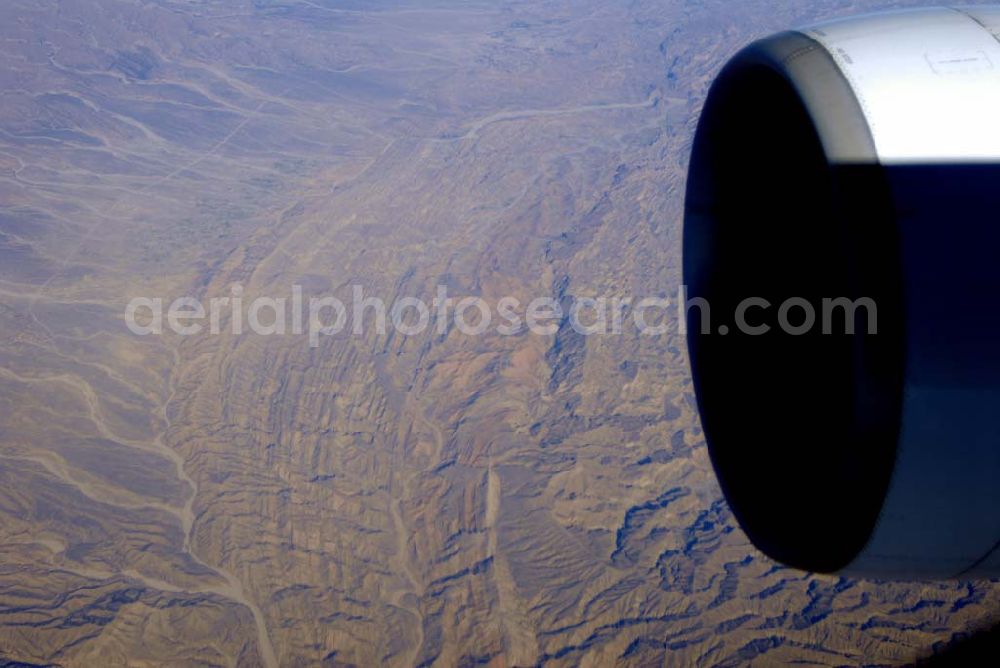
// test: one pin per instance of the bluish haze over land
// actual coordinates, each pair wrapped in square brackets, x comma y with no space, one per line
[382,499]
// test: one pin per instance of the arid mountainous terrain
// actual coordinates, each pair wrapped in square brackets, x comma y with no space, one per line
[443,499]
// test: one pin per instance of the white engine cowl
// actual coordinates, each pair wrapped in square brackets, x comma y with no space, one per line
[855,160]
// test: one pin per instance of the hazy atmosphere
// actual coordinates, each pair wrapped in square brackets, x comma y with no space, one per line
[374,497]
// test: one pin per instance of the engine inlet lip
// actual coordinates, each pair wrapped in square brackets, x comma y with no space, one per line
[776,512]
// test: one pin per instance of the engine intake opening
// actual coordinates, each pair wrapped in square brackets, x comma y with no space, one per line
[801,423]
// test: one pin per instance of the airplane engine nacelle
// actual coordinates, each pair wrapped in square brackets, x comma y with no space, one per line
[842,226]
